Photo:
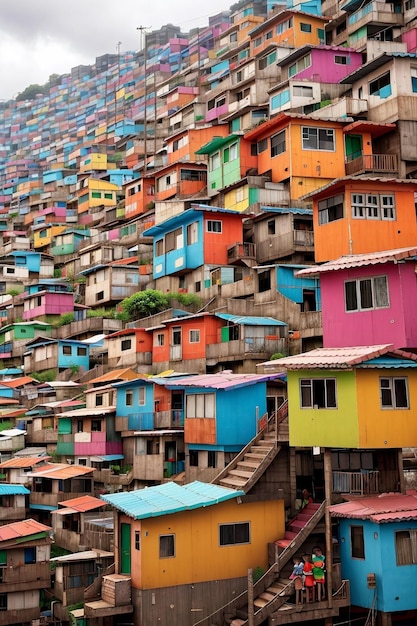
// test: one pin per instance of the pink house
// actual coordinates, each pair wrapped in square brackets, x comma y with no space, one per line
[44,300]
[369,299]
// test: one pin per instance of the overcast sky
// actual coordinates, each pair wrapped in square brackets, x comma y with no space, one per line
[43,37]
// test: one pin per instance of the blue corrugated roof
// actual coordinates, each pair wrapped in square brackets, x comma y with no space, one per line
[288,209]
[250,320]
[43,507]
[13,490]
[169,498]
[388,362]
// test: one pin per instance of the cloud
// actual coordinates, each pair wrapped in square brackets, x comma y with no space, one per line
[43,37]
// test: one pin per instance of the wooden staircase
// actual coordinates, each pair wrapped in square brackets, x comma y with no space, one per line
[251,462]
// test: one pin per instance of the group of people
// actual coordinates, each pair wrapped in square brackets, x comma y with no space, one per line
[309,576]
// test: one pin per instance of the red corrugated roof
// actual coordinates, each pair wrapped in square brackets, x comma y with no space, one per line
[18,382]
[22,529]
[387,507]
[83,503]
[360,260]
[60,471]
[26,461]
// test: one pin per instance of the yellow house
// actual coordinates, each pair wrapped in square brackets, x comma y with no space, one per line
[96,193]
[43,236]
[188,547]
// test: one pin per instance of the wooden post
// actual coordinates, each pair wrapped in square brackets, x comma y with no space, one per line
[251,616]
[293,481]
[327,458]
[401,471]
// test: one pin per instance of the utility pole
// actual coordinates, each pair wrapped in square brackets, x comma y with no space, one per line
[143,47]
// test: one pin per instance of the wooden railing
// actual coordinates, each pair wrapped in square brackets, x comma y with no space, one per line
[383,163]
[356,482]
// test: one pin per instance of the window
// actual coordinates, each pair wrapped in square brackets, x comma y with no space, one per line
[406,546]
[159,247]
[305,28]
[174,240]
[137,539]
[267,60]
[394,392]
[318,393]
[67,350]
[214,226]
[81,351]
[281,28]
[381,86]
[271,227]
[30,555]
[126,344]
[233,152]
[303,91]
[373,206]
[357,542]
[96,426]
[96,194]
[99,295]
[211,459]
[233,534]
[166,546]
[331,209]
[80,426]
[366,293]
[82,462]
[340,60]
[215,161]
[194,336]
[201,405]
[299,65]
[318,138]
[3,601]
[160,339]
[262,145]
[258,42]
[409,4]
[192,233]
[142,396]
[129,397]
[99,399]
[108,196]
[193,458]
[278,144]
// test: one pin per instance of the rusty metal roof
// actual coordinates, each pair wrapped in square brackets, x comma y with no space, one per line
[360,260]
[59,471]
[26,461]
[26,528]
[121,374]
[387,507]
[82,504]
[18,382]
[337,358]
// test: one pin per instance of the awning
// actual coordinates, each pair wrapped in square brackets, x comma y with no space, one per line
[43,507]
[107,457]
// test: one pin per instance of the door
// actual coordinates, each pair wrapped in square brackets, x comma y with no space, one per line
[176,344]
[125,563]
[353,144]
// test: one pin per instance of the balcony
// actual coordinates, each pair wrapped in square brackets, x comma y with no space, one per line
[115,599]
[155,421]
[373,164]
[378,13]
[242,253]
[25,576]
[249,347]
[356,483]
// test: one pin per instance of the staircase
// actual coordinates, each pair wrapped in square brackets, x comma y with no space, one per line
[251,462]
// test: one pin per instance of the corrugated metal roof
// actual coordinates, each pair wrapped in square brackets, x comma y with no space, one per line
[87,555]
[360,260]
[169,498]
[83,503]
[18,382]
[121,374]
[387,507]
[250,320]
[59,471]
[388,362]
[26,461]
[99,410]
[225,380]
[13,490]
[285,210]
[375,64]
[336,183]
[24,528]
[338,358]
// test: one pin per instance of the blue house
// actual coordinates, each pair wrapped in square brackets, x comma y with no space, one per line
[299,289]
[378,551]
[44,353]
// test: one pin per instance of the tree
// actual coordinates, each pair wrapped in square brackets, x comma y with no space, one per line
[144,303]
[31,92]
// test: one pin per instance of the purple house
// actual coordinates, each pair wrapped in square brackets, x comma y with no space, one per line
[369,298]
[311,75]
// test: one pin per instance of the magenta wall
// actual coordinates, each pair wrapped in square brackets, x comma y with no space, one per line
[395,324]
[51,304]
[324,69]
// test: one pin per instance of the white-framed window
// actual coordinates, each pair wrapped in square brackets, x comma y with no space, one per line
[234,534]
[141,396]
[394,392]
[373,206]
[381,86]
[160,340]
[318,393]
[201,405]
[214,226]
[341,60]
[331,209]
[278,144]
[233,152]
[366,293]
[215,161]
[318,138]
[194,336]
[304,91]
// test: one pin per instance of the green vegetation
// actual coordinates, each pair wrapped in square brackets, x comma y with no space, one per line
[106,313]
[144,303]
[257,573]
[64,319]
[277,355]
[186,299]
[6,426]
[45,377]
[14,292]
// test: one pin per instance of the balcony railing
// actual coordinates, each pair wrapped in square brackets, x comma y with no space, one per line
[153,421]
[357,483]
[382,163]
[241,251]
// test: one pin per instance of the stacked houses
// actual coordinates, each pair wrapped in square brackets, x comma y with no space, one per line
[260,173]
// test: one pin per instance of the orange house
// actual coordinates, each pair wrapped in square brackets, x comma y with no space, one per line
[183,179]
[131,347]
[291,28]
[176,98]
[358,215]
[184,338]
[306,152]
[139,196]
[185,143]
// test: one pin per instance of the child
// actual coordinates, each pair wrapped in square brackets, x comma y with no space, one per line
[318,561]
[309,578]
[297,577]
